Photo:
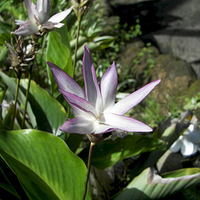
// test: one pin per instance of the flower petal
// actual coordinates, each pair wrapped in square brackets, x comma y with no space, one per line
[101,128]
[188,148]
[125,123]
[108,87]
[92,91]
[43,8]
[65,82]
[80,103]
[60,16]
[58,25]
[31,10]
[78,125]
[176,146]
[50,25]
[19,22]
[124,105]
[27,28]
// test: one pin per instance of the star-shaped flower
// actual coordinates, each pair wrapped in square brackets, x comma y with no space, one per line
[94,108]
[39,18]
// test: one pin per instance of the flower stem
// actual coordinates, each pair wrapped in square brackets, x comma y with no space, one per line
[76,45]
[15,104]
[92,145]
[27,94]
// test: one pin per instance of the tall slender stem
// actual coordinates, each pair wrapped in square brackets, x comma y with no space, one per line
[76,45]
[92,145]
[15,104]
[27,94]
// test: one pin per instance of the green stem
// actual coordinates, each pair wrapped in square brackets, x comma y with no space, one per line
[15,105]
[27,94]
[92,145]
[76,45]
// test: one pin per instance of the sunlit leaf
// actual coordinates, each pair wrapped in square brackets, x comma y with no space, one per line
[49,113]
[45,166]
[149,185]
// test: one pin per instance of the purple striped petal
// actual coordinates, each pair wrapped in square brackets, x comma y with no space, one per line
[108,87]
[80,103]
[65,82]
[78,125]
[27,28]
[125,123]
[124,105]
[31,10]
[92,91]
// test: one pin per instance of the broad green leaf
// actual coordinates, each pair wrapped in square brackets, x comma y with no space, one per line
[45,166]
[109,152]
[49,113]
[149,185]
[59,53]
[21,97]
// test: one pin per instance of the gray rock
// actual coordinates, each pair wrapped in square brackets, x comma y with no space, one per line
[182,36]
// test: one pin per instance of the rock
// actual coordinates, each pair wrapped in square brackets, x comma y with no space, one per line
[176,77]
[145,64]
[135,61]
[181,36]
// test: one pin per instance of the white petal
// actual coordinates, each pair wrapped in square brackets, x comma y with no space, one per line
[80,103]
[43,8]
[27,28]
[188,148]
[58,25]
[124,123]
[60,16]
[78,125]
[193,134]
[108,87]
[92,91]
[19,22]
[124,105]
[176,146]
[65,82]
[31,10]
[101,128]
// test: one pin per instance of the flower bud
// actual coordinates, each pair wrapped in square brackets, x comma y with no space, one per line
[81,7]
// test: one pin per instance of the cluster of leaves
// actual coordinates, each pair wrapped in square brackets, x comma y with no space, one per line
[44,165]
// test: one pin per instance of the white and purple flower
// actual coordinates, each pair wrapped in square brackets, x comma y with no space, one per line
[94,108]
[39,18]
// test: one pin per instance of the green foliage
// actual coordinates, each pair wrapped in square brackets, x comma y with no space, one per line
[49,118]
[43,163]
[109,152]
[11,84]
[149,185]
[45,166]
[192,103]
